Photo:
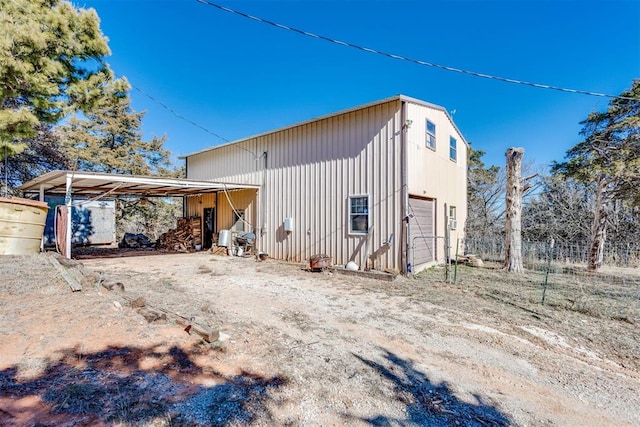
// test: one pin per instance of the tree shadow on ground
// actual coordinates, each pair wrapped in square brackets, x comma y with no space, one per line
[133,385]
[429,404]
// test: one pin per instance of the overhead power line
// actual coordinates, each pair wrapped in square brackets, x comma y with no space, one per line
[178,115]
[404,58]
[165,106]
[181,117]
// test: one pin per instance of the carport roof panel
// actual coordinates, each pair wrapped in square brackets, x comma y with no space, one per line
[93,183]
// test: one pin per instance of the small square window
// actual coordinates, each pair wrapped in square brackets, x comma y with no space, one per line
[431,135]
[238,220]
[453,222]
[453,148]
[452,212]
[359,214]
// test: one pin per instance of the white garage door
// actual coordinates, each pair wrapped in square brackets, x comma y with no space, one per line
[422,230]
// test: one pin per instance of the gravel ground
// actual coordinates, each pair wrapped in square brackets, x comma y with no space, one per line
[303,348]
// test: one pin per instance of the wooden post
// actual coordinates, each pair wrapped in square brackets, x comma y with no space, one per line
[513,226]
[71,281]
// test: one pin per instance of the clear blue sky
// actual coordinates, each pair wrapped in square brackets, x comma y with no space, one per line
[238,77]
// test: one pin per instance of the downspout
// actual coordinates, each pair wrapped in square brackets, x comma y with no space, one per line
[261,208]
[404,193]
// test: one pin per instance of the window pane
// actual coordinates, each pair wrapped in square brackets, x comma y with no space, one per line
[359,214]
[453,144]
[431,135]
[238,221]
[359,223]
[431,141]
[359,205]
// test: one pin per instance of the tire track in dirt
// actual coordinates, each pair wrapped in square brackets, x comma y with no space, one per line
[312,328]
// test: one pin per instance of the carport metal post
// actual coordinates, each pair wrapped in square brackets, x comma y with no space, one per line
[67,249]
[41,198]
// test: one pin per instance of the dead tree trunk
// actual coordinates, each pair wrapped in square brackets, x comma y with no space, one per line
[513,228]
[598,229]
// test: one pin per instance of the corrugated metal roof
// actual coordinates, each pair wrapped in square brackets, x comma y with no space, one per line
[399,97]
[93,183]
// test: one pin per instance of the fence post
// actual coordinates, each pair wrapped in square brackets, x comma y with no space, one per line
[546,276]
[455,271]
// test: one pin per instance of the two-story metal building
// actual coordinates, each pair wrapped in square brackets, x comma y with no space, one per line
[382,184]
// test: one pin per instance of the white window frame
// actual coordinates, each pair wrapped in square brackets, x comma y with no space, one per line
[238,220]
[453,218]
[353,214]
[453,149]
[430,137]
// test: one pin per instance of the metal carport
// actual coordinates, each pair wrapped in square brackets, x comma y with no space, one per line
[72,184]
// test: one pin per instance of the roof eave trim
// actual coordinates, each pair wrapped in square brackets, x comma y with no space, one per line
[305,122]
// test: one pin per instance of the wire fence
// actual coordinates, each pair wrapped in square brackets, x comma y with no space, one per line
[616,254]
[613,292]
[555,277]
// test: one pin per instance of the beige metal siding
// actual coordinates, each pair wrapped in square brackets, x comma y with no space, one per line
[237,163]
[431,174]
[309,173]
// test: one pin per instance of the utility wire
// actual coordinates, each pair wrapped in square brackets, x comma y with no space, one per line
[163,105]
[415,61]
[175,113]
[181,117]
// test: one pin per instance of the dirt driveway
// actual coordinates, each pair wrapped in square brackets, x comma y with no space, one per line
[298,348]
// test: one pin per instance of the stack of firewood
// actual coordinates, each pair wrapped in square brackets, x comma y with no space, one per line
[184,238]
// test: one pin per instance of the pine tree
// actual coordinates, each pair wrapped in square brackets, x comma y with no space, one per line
[43,153]
[50,64]
[108,138]
[608,159]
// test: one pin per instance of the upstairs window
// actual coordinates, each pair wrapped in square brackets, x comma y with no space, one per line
[453,149]
[431,135]
[358,214]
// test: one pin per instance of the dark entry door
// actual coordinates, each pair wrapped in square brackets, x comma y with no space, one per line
[209,215]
